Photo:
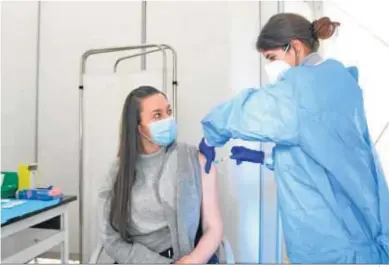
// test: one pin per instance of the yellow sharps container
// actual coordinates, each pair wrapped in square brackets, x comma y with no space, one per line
[28,176]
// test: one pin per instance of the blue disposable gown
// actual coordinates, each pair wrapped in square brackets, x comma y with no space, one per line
[332,193]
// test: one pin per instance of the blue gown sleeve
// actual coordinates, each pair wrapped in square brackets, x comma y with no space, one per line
[268,114]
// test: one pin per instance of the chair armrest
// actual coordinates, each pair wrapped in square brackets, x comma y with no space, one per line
[96,254]
[226,254]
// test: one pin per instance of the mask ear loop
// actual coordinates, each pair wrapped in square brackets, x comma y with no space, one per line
[296,54]
[144,135]
[286,50]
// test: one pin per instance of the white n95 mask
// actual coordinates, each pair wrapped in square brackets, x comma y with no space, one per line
[276,69]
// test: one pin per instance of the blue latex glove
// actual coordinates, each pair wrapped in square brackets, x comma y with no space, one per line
[209,153]
[240,154]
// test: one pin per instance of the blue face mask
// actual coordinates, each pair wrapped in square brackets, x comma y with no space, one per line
[163,132]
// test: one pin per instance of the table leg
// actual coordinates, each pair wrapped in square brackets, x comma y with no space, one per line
[65,243]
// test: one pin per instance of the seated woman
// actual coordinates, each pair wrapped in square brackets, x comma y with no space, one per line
[158,191]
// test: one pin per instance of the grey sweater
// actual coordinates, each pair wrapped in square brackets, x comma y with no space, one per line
[148,225]
[178,198]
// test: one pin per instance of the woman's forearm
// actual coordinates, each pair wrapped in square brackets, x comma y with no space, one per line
[207,246]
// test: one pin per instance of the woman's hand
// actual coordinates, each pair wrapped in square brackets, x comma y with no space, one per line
[187,259]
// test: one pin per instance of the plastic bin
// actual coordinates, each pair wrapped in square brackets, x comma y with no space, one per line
[9,184]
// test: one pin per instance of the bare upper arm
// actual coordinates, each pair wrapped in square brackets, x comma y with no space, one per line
[210,207]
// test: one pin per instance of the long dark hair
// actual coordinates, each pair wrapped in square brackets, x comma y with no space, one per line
[129,149]
[282,28]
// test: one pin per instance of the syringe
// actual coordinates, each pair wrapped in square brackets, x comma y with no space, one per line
[221,160]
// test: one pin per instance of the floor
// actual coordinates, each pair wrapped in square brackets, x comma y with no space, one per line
[57,261]
[50,261]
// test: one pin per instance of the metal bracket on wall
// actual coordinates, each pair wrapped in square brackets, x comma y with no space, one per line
[143,34]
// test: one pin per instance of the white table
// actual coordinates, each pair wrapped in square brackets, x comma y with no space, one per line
[20,243]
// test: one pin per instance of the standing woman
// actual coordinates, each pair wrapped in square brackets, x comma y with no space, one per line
[332,193]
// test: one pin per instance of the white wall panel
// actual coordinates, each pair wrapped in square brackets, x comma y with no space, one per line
[19,21]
